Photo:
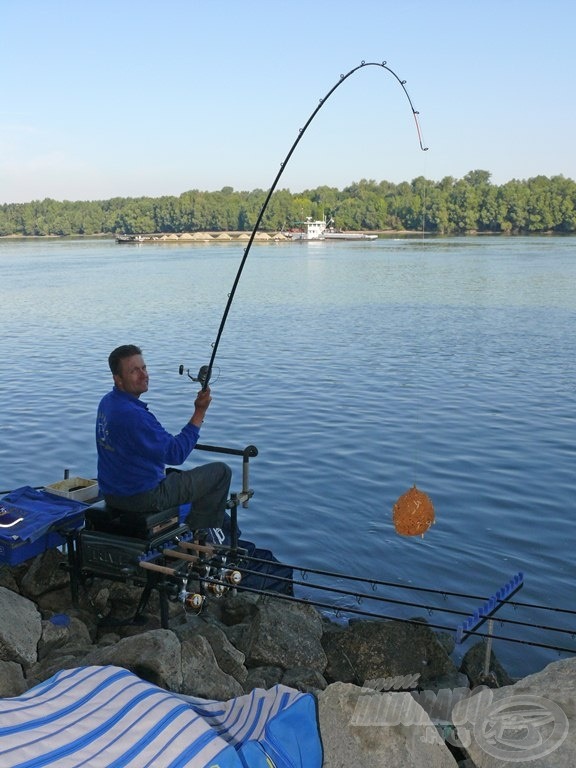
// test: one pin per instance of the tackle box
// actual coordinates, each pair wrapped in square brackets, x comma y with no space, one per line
[33,521]
[78,488]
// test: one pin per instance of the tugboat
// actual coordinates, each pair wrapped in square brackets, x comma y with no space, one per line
[322,230]
[310,230]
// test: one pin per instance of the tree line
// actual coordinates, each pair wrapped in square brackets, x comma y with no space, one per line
[450,206]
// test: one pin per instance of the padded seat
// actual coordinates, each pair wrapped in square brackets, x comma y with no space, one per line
[139,525]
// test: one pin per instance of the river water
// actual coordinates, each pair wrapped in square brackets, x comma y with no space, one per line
[358,369]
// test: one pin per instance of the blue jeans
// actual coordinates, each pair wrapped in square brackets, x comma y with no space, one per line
[206,488]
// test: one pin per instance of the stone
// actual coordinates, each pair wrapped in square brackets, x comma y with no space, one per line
[154,656]
[364,727]
[12,681]
[473,665]
[201,675]
[8,578]
[285,635]
[230,660]
[368,650]
[20,635]
[532,722]
[304,679]
[263,677]
[45,574]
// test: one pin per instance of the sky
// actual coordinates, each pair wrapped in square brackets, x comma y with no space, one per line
[129,98]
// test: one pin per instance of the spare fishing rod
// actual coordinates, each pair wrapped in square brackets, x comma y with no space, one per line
[470,626]
[206,371]
[359,597]
[367,614]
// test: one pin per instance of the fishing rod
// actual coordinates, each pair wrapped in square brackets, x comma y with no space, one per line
[219,568]
[205,372]
[444,627]
[360,597]
[217,575]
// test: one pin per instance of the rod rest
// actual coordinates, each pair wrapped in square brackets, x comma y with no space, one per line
[139,525]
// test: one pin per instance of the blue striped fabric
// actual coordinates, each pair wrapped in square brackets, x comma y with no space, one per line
[106,717]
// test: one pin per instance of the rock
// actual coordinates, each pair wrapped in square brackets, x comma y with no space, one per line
[532,722]
[363,727]
[54,635]
[44,669]
[229,659]
[304,679]
[62,632]
[45,574]
[201,675]
[12,682]
[154,656]
[263,677]
[20,635]
[473,665]
[8,578]
[285,635]
[368,650]
[245,641]
[238,608]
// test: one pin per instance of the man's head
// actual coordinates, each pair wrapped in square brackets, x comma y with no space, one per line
[129,369]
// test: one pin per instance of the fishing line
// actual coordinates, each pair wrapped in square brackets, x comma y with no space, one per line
[206,371]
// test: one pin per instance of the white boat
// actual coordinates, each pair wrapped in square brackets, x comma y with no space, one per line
[321,230]
[310,230]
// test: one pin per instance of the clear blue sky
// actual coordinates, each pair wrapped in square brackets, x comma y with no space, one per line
[104,98]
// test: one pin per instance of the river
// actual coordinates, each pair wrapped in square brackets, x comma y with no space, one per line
[358,369]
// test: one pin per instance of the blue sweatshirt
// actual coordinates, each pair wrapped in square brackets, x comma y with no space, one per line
[133,447]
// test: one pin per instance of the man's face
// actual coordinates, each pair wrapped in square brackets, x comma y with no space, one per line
[133,376]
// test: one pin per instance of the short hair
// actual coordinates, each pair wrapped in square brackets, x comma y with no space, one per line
[120,353]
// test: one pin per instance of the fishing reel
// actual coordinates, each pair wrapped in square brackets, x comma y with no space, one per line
[203,376]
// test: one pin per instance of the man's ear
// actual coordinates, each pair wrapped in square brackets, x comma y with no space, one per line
[118,381]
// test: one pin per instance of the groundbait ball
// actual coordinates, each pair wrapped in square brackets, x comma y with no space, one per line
[413,513]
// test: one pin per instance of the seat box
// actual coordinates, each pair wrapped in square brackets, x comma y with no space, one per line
[108,554]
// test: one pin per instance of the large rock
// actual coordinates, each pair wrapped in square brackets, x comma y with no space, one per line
[63,631]
[361,727]
[285,635]
[473,666]
[154,656]
[45,574]
[12,682]
[8,578]
[372,650]
[532,722]
[201,675]
[20,628]
[229,659]
[304,679]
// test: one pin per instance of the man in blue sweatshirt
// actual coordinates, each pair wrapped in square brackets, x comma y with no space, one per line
[134,449]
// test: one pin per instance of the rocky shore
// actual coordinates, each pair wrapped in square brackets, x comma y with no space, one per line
[388,693]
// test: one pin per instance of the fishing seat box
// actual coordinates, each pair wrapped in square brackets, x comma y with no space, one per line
[113,541]
[138,525]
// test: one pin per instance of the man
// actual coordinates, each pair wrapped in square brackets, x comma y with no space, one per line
[134,449]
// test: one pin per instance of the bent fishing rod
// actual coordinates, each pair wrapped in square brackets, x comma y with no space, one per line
[205,372]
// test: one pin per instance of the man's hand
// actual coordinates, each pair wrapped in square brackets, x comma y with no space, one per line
[203,400]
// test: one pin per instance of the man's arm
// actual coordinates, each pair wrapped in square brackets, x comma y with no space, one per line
[201,404]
